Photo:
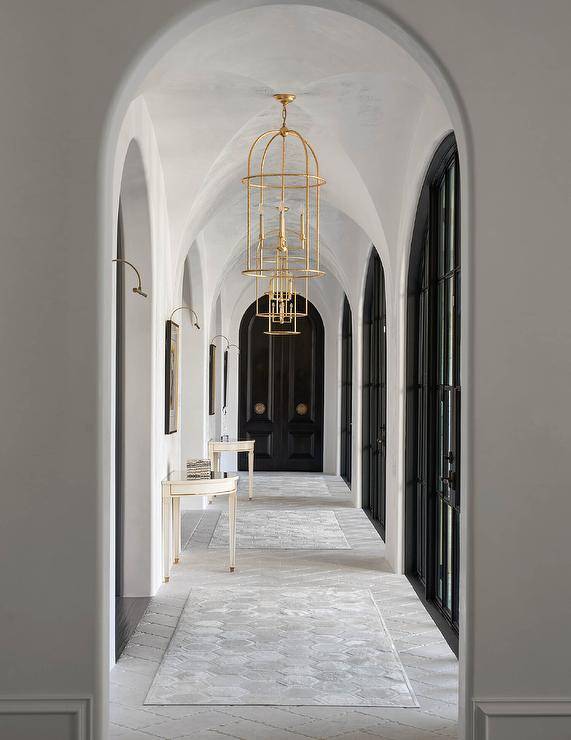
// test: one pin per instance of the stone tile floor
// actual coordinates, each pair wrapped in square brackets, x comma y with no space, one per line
[430,665]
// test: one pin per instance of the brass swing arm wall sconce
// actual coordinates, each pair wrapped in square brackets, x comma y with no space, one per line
[139,288]
[192,313]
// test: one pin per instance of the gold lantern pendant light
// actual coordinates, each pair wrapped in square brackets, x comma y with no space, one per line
[282,244]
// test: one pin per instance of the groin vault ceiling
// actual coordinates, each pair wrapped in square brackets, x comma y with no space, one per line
[370,111]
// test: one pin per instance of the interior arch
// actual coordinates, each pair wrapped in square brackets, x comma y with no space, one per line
[134,392]
[449,114]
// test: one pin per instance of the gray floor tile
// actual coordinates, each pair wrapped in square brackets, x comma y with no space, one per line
[424,653]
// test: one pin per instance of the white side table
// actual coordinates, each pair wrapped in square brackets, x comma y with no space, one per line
[234,445]
[177,485]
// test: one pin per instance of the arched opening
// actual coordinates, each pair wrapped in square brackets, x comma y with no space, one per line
[375,394]
[346,428]
[281,393]
[353,289]
[133,409]
[433,430]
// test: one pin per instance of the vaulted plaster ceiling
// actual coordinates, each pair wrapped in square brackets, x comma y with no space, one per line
[366,106]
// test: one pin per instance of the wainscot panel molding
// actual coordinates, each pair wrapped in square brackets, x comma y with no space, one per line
[522,719]
[77,709]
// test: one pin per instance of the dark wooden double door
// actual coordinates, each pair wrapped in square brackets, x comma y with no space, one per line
[375,394]
[281,394]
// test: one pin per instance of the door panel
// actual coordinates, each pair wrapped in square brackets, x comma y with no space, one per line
[346,393]
[281,394]
[374,394]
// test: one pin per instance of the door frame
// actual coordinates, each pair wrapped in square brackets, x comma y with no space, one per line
[346,401]
[375,278]
[425,590]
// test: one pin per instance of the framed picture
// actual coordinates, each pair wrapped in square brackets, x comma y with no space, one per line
[225,399]
[212,380]
[171,377]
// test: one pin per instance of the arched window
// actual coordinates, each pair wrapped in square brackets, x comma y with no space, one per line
[432,506]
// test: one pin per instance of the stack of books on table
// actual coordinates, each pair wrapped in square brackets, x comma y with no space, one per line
[197,469]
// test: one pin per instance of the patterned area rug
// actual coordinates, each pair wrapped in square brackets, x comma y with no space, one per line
[271,529]
[286,646]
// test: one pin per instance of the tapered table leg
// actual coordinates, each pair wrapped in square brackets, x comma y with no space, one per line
[250,475]
[166,534]
[215,459]
[176,527]
[232,501]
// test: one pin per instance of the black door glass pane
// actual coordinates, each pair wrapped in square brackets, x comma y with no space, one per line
[442,335]
[441,240]
[451,226]
[425,263]
[450,322]
[449,557]
[457,314]
[440,558]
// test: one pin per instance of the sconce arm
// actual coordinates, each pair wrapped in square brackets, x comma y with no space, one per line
[223,337]
[139,288]
[192,312]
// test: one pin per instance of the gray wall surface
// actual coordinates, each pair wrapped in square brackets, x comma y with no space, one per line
[61,65]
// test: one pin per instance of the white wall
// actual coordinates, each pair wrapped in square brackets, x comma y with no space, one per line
[138,383]
[503,69]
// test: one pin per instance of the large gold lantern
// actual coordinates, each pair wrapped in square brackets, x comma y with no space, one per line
[282,243]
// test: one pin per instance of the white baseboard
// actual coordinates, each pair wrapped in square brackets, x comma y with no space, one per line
[501,719]
[78,708]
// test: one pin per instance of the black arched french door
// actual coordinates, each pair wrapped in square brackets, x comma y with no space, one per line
[432,506]
[281,393]
[346,393]
[374,393]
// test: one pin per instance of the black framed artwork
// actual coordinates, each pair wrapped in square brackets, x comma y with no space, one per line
[212,380]
[225,399]
[171,377]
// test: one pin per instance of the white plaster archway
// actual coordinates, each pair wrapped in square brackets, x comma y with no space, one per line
[452,101]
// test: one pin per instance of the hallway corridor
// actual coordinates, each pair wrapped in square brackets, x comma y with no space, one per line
[159,683]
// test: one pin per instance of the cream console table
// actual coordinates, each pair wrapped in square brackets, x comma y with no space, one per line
[178,485]
[234,445]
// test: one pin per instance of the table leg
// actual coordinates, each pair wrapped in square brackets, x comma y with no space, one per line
[176,527]
[215,467]
[250,475]
[166,536]
[232,501]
